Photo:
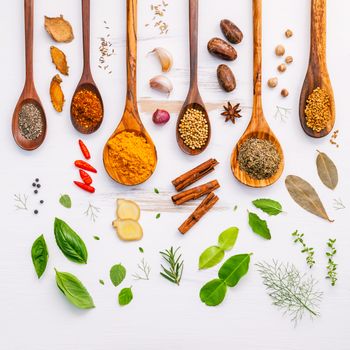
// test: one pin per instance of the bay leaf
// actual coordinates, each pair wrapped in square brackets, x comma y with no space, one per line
[211,257]
[327,171]
[305,196]
[268,206]
[259,226]
[213,292]
[234,269]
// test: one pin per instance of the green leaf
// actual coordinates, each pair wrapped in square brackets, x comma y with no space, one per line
[158,216]
[117,274]
[74,290]
[66,201]
[213,292]
[234,269]
[211,257]
[71,245]
[141,250]
[125,296]
[97,238]
[259,226]
[268,206]
[40,255]
[227,239]
[102,282]
[156,190]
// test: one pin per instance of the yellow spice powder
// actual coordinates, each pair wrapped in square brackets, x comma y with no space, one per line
[131,156]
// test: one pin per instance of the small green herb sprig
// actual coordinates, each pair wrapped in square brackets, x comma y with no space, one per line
[145,270]
[176,265]
[299,238]
[332,266]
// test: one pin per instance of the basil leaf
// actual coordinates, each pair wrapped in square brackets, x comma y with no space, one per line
[74,290]
[227,239]
[213,292]
[66,201]
[117,274]
[125,296]
[40,255]
[268,206]
[211,257]
[234,269]
[259,226]
[71,245]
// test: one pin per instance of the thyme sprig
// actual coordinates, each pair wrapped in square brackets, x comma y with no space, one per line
[332,266]
[299,238]
[291,291]
[176,265]
[145,269]
[92,212]
[21,201]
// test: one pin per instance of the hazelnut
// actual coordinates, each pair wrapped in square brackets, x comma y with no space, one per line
[288,33]
[280,50]
[272,82]
[282,68]
[289,59]
[284,92]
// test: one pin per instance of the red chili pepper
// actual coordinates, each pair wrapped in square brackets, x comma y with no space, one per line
[85,187]
[86,166]
[85,177]
[84,150]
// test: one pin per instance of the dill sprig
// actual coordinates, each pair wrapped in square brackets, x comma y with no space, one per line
[145,269]
[299,238]
[92,212]
[21,201]
[338,204]
[176,265]
[291,291]
[332,266]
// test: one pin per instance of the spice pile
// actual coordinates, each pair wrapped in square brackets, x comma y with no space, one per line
[87,109]
[30,121]
[194,128]
[131,156]
[259,158]
[317,110]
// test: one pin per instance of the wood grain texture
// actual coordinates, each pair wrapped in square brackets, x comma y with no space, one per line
[29,94]
[317,72]
[194,99]
[130,120]
[86,82]
[258,126]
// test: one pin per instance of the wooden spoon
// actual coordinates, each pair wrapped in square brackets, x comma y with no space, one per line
[317,73]
[258,126]
[86,82]
[193,99]
[130,120]
[29,94]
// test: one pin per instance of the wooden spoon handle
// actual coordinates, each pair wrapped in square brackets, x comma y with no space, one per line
[131,54]
[318,31]
[193,18]
[257,23]
[29,24]
[86,35]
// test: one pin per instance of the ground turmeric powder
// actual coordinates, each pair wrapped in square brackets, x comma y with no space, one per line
[132,157]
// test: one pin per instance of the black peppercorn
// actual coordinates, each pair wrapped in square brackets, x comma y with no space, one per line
[36,180]
[35,191]
[41,202]
[38,185]
[33,184]
[36,211]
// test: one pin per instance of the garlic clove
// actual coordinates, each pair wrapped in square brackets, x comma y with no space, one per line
[165,58]
[161,83]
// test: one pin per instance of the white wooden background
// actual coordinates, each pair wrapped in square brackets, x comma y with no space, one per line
[35,316]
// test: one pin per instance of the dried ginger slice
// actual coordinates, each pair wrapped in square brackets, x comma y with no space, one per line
[59,60]
[127,210]
[56,93]
[59,29]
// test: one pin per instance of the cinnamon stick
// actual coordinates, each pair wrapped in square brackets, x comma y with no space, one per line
[195,192]
[194,175]
[208,202]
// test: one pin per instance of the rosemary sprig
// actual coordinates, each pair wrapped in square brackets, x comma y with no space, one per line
[299,238]
[21,201]
[290,290]
[332,266]
[176,265]
[92,212]
[145,269]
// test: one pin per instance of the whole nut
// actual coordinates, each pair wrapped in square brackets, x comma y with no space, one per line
[222,49]
[280,50]
[284,92]
[288,33]
[289,59]
[232,33]
[272,82]
[226,78]
[282,68]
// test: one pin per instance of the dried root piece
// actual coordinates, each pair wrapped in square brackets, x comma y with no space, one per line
[56,93]
[59,60]
[127,210]
[59,29]
[128,230]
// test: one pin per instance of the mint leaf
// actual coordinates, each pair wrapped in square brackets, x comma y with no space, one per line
[268,206]
[125,296]
[66,201]
[117,274]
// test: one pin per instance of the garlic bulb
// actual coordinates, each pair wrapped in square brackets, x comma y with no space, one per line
[161,83]
[165,58]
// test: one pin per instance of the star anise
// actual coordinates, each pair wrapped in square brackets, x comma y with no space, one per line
[231,112]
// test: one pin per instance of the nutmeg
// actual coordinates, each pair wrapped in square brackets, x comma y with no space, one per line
[232,33]
[222,49]
[226,78]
